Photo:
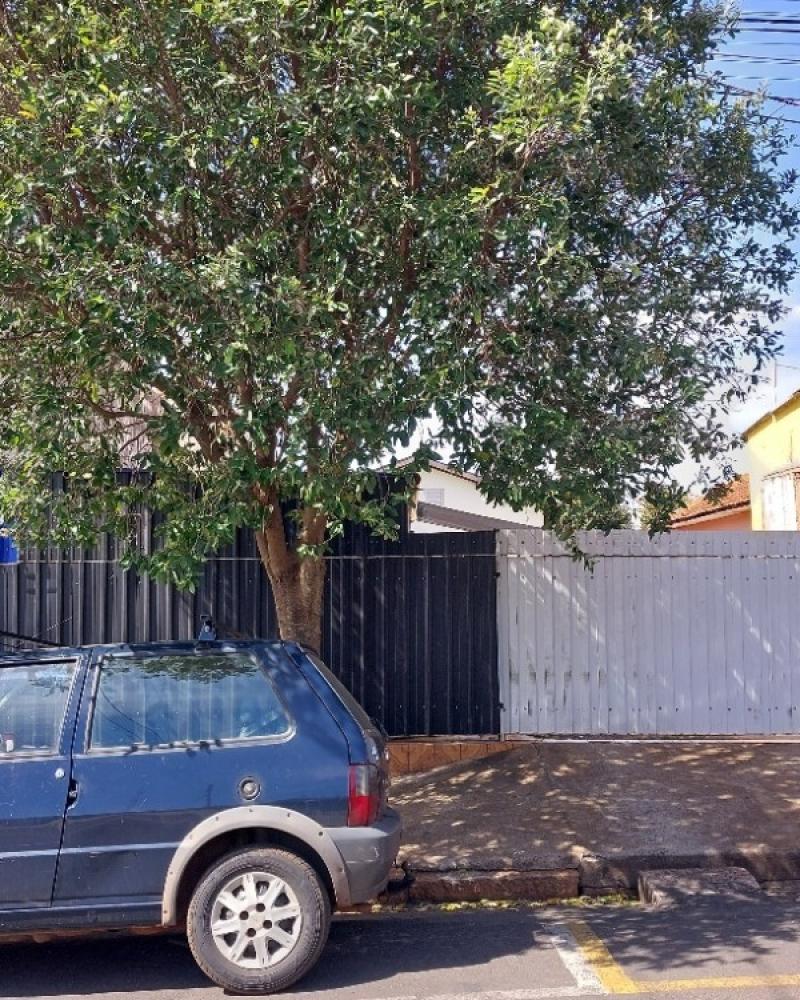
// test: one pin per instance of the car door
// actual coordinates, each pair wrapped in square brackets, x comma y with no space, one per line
[38,700]
[172,734]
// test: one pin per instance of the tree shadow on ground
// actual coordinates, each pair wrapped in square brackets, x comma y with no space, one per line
[427,953]
[549,804]
[707,938]
[368,951]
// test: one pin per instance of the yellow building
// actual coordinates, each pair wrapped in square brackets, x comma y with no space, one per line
[772,457]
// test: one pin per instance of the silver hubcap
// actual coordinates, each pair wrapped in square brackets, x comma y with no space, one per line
[256,920]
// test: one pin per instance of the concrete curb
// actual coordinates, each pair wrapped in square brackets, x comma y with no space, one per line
[455,883]
[471,886]
[665,887]
[454,880]
[600,876]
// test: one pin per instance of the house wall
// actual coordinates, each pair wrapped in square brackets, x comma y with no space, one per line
[463,494]
[684,634]
[736,520]
[771,446]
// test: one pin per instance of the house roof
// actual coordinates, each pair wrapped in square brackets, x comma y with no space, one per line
[716,501]
[451,470]
[461,520]
[785,407]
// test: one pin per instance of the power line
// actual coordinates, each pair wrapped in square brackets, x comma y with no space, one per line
[793,101]
[790,21]
[765,22]
[771,79]
[780,118]
[758,60]
[789,101]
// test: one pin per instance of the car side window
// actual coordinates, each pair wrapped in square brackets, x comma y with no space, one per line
[33,700]
[163,700]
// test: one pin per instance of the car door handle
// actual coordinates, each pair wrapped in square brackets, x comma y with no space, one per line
[72,794]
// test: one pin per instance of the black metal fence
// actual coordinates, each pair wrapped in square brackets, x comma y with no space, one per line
[410,626]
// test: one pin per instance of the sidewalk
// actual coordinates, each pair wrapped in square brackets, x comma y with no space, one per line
[557,820]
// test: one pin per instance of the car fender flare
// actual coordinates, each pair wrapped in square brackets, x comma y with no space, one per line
[248,818]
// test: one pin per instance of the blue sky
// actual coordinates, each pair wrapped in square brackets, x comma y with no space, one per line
[766,55]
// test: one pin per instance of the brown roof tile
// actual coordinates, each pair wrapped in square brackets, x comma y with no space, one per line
[717,500]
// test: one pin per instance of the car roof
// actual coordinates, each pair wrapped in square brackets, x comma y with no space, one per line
[170,646]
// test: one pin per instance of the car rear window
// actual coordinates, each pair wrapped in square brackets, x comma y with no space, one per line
[350,703]
[163,700]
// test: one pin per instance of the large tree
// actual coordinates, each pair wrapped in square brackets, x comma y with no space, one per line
[252,246]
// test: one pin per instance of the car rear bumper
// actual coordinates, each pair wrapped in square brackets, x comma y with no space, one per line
[368,854]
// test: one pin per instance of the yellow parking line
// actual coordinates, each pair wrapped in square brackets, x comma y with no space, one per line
[600,959]
[720,983]
[616,981]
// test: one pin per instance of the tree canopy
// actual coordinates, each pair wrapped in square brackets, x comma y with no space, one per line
[252,246]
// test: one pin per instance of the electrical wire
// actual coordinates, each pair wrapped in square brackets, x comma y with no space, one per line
[792,21]
[791,102]
[744,91]
[753,22]
[780,118]
[30,638]
[758,60]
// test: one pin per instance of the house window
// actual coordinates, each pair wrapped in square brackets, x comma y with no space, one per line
[779,495]
[432,496]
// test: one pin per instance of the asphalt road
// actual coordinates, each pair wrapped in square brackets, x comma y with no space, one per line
[707,951]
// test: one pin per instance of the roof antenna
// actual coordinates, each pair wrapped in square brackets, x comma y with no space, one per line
[208,632]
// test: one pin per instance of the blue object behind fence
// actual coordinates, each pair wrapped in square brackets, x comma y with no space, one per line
[8,551]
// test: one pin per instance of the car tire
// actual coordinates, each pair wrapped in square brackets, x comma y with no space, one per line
[258,920]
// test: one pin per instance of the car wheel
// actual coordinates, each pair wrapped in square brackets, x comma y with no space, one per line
[258,920]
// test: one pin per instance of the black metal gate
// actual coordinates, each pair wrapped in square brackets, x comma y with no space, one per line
[410,626]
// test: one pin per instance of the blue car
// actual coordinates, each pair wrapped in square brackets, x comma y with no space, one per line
[236,788]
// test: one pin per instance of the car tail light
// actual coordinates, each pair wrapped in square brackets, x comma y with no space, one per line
[365,798]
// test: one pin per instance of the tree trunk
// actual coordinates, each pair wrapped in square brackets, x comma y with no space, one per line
[298,583]
[298,601]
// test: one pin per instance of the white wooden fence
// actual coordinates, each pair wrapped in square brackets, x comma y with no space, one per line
[691,633]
